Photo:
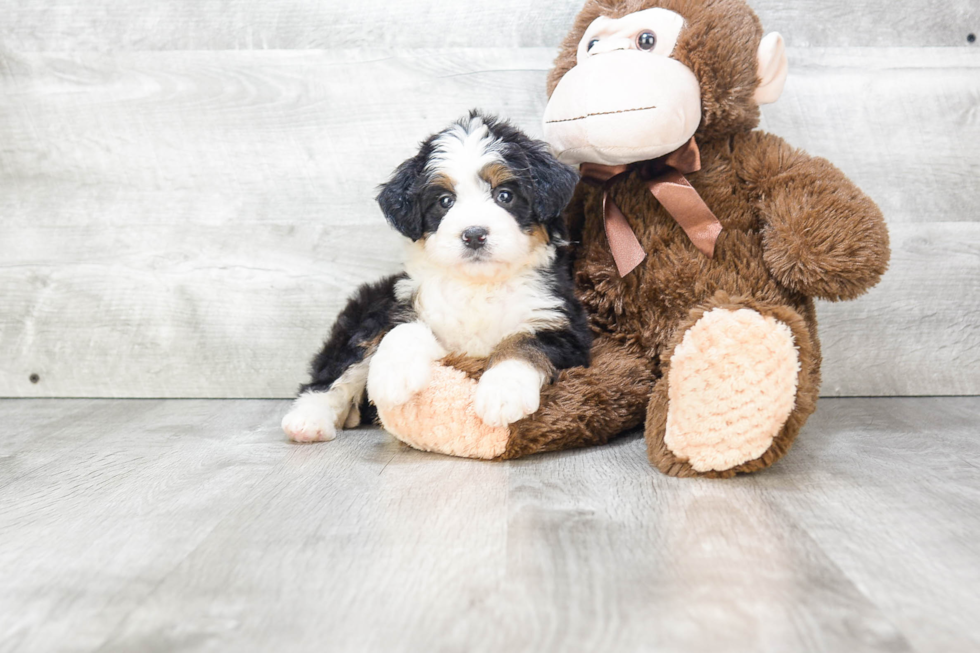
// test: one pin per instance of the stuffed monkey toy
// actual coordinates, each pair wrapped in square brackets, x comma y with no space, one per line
[701,245]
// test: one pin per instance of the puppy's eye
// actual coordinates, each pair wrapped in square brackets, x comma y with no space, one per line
[592,44]
[646,41]
[505,196]
[447,201]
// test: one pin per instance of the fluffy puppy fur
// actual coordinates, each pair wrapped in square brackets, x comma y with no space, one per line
[487,277]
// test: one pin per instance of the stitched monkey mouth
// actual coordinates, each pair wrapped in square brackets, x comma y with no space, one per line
[599,113]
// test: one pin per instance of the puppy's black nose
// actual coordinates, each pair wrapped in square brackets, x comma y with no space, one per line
[475,237]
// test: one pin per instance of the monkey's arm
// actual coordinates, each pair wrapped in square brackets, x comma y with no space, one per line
[822,236]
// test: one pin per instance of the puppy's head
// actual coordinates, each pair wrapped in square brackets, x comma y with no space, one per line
[481,198]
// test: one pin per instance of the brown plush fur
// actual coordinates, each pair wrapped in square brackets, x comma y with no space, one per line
[619,380]
[794,228]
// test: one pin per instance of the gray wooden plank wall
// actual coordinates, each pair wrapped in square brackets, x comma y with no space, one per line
[185,188]
[114,25]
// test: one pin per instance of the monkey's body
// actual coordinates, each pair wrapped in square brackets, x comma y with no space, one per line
[675,277]
[639,320]
[718,356]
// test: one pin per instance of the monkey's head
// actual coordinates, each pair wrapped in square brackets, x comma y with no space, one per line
[636,79]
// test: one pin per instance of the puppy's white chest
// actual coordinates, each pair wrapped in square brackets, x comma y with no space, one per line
[472,319]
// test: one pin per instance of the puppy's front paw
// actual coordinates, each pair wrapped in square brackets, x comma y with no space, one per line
[508,392]
[391,385]
[402,365]
[313,417]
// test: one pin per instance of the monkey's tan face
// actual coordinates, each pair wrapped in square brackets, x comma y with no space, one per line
[627,99]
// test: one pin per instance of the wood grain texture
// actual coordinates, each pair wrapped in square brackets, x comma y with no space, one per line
[901,122]
[918,492]
[191,525]
[918,331]
[113,25]
[242,318]
[188,224]
[127,512]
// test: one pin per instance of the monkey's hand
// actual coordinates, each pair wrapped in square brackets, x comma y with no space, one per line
[822,236]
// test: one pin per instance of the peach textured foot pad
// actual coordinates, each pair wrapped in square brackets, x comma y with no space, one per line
[441,418]
[732,386]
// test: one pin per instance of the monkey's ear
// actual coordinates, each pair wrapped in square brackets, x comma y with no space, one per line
[399,199]
[773,68]
[554,184]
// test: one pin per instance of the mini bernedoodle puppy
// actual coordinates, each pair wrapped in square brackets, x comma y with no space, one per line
[487,276]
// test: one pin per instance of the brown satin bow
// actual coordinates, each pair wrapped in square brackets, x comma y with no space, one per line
[665,179]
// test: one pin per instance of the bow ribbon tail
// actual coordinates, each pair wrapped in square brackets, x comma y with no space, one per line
[682,201]
[626,249]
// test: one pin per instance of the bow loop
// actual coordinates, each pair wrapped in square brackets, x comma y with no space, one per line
[665,179]
[686,159]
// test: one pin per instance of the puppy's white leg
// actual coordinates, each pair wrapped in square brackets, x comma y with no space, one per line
[402,364]
[508,391]
[316,416]
[354,416]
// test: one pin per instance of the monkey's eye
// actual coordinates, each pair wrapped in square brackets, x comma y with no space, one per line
[646,41]
[592,44]
[447,201]
[505,196]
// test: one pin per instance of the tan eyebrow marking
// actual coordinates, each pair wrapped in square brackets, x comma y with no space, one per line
[496,174]
[444,181]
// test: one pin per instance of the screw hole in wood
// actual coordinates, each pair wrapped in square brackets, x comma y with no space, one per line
[35,378]
[971,37]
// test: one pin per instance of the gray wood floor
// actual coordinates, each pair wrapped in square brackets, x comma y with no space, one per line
[192,526]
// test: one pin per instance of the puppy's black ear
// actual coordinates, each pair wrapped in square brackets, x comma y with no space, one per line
[399,198]
[554,184]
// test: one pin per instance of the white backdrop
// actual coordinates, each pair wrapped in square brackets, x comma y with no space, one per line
[186,187]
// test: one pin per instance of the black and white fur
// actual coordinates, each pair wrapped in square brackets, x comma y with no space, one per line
[487,275]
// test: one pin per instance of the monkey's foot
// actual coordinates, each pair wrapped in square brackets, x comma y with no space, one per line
[731,387]
[442,418]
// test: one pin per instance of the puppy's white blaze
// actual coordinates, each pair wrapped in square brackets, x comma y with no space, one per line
[471,317]
[316,416]
[464,150]
[402,364]
[508,392]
